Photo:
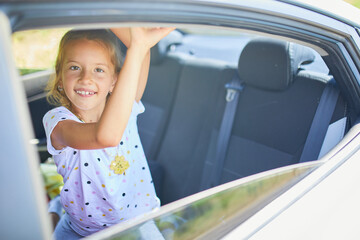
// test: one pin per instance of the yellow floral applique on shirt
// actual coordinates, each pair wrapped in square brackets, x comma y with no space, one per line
[119,165]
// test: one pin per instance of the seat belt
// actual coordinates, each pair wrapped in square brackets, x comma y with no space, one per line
[334,134]
[320,122]
[232,98]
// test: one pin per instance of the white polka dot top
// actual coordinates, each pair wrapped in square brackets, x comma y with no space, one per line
[103,187]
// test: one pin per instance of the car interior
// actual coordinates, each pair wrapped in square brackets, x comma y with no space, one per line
[223,107]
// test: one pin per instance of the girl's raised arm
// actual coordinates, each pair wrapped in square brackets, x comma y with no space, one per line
[124,35]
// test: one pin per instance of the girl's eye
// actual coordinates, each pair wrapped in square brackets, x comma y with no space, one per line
[99,70]
[74,68]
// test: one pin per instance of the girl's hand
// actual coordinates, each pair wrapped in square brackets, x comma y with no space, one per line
[147,37]
[154,35]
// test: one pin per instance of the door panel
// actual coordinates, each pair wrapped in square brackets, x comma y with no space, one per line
[23,201]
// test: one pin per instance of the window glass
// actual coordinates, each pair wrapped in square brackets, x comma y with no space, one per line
[205,59]
[219,213]
[227,45]
[36,50]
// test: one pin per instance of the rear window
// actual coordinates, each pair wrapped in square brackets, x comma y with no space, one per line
[36,50]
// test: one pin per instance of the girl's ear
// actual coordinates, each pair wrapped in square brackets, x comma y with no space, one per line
[113,83]
[60,86]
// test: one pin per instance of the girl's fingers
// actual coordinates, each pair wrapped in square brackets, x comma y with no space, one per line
[150,36]
[160,33]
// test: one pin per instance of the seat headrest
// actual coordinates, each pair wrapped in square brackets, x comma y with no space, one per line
[159,51]
[271,64]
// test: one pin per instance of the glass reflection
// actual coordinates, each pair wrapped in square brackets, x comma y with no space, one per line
[216,215]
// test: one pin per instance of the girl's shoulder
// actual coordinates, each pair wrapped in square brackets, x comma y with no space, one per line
[60,109]
[51,119]
[59,113]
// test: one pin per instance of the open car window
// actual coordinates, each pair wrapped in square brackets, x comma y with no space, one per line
[189,89]
[36,50]
[232,101]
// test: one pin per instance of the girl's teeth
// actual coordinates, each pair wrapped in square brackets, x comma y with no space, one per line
[85,93]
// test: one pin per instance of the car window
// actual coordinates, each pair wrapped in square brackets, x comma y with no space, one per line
[35,50]
[185,98]
[216,214]
[226,45]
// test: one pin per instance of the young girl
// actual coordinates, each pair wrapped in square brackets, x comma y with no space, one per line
[93,136]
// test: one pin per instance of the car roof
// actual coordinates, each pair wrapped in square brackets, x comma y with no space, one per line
[336,9]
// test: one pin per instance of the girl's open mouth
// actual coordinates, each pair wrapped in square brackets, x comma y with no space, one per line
[85,93]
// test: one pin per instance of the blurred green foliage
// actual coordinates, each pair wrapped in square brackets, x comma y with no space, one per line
[24,71]
[36,50]
[355,3]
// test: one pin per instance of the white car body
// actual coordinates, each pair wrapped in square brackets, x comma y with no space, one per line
[323,205]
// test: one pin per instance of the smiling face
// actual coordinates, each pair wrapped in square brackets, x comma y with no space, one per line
[87,76]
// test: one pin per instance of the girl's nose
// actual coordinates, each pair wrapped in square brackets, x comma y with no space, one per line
[86,76]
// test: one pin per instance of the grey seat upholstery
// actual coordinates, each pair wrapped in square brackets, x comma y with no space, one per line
[273,117]
[275,109]
[160,91]
[158,99]
[185,142]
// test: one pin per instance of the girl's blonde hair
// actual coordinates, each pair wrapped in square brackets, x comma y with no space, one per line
[55,95]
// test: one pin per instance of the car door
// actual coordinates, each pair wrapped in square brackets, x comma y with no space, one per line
[22,197]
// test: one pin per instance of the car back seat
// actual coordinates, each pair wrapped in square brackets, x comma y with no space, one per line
[158,99]
[160,91]
[185,139]
[275,109]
